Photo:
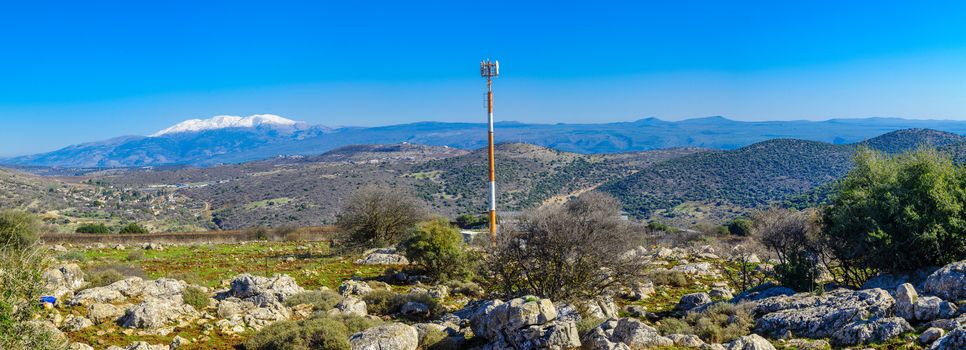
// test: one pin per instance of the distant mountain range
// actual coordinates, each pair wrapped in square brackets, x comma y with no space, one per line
[229,139]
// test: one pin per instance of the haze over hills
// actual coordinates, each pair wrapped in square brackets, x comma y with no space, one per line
[680,186]
[226,139]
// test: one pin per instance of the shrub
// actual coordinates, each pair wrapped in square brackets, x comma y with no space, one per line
[21,285]
[325,332]
[93,228]
[320,300]
[135,255]
[17,229]
[566,252]
[133,228]
[660,226]
[100,276]
[665,277]
[437,249]
[73,255]
[465,288]
[719,323]
[387,303]
[897,214]
[468,221]
[793,237]
[740,227]
[377,217]
[196,297]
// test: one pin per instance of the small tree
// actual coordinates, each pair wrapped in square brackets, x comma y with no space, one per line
[437,248]
[740,227]
[379,216]
[897,214]
[17,229]
[794,238]
[133,228]
[566,252]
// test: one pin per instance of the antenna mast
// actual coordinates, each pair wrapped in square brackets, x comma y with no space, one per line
[491,70]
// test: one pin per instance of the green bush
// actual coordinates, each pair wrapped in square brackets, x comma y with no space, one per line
[320,300]
[437,249]
[719,323]
[468,221]
[897,214]
[93,228]
[387,303]
[17,229]
[740,227]
[132,228]
[378,217]
[196,297]
[660,226]
[665,277]
[325,333]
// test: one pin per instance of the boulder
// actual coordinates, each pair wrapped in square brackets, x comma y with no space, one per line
[63,280]
[949,282]
[635,334]
[686,340]
[750,342]
[693,300]
[157,313]
[266,314]
[820,316]
[96,295]
[264,290]
[391,336]
[76,323]
[161,288]
[103,313]
[79,346]
[414,309]
[906,298]
[640,291]
[696,269]
[353,306]
[383,256]
[870,331]
[146,346]
[931,308]
[523,323]
[599,308]
[720,294]
[764,291]
[130,287]
[931,335]
[353,287]
[954,340]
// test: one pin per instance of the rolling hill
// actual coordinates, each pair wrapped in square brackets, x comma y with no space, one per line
[232,140]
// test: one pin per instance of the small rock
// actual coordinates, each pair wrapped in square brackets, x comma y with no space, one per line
[931,335]
[906,298]
[693,300]
[750,342]
[415,309]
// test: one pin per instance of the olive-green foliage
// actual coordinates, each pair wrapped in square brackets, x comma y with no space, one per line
[466,288]
[665,277]
[93,228]
[17,229]
[436,248]
[100,276]
[719,323]
[377,217]
[196,297]
[897,214]
[387,303]
[740,227]
[133,228]
[468,221]
[135,255]
[325,333]
[21,285]
[660,226]
[586,324]
[319,299]
[793,237]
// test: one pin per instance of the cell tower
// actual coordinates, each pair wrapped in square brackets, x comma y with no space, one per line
[491,70]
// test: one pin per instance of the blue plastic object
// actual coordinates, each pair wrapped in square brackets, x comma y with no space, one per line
[48,299]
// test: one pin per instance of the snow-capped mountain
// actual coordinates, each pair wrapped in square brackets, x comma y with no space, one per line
[225,122]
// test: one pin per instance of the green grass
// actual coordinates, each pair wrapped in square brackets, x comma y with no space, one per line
[210,264]
[267,203]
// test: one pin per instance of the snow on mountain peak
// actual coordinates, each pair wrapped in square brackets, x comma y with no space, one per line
[224,122]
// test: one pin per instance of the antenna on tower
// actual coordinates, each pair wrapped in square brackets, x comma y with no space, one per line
[490,70]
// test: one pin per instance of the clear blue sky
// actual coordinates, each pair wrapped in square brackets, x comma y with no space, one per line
[75,71]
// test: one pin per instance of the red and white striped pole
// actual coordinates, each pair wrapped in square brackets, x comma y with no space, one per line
[490,70]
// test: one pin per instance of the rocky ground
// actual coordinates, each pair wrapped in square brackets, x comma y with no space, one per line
[156,311]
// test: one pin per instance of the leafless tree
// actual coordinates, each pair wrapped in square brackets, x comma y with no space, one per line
[378,216]
[567,251]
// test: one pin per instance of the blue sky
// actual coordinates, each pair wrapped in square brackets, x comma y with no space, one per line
[76,71]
